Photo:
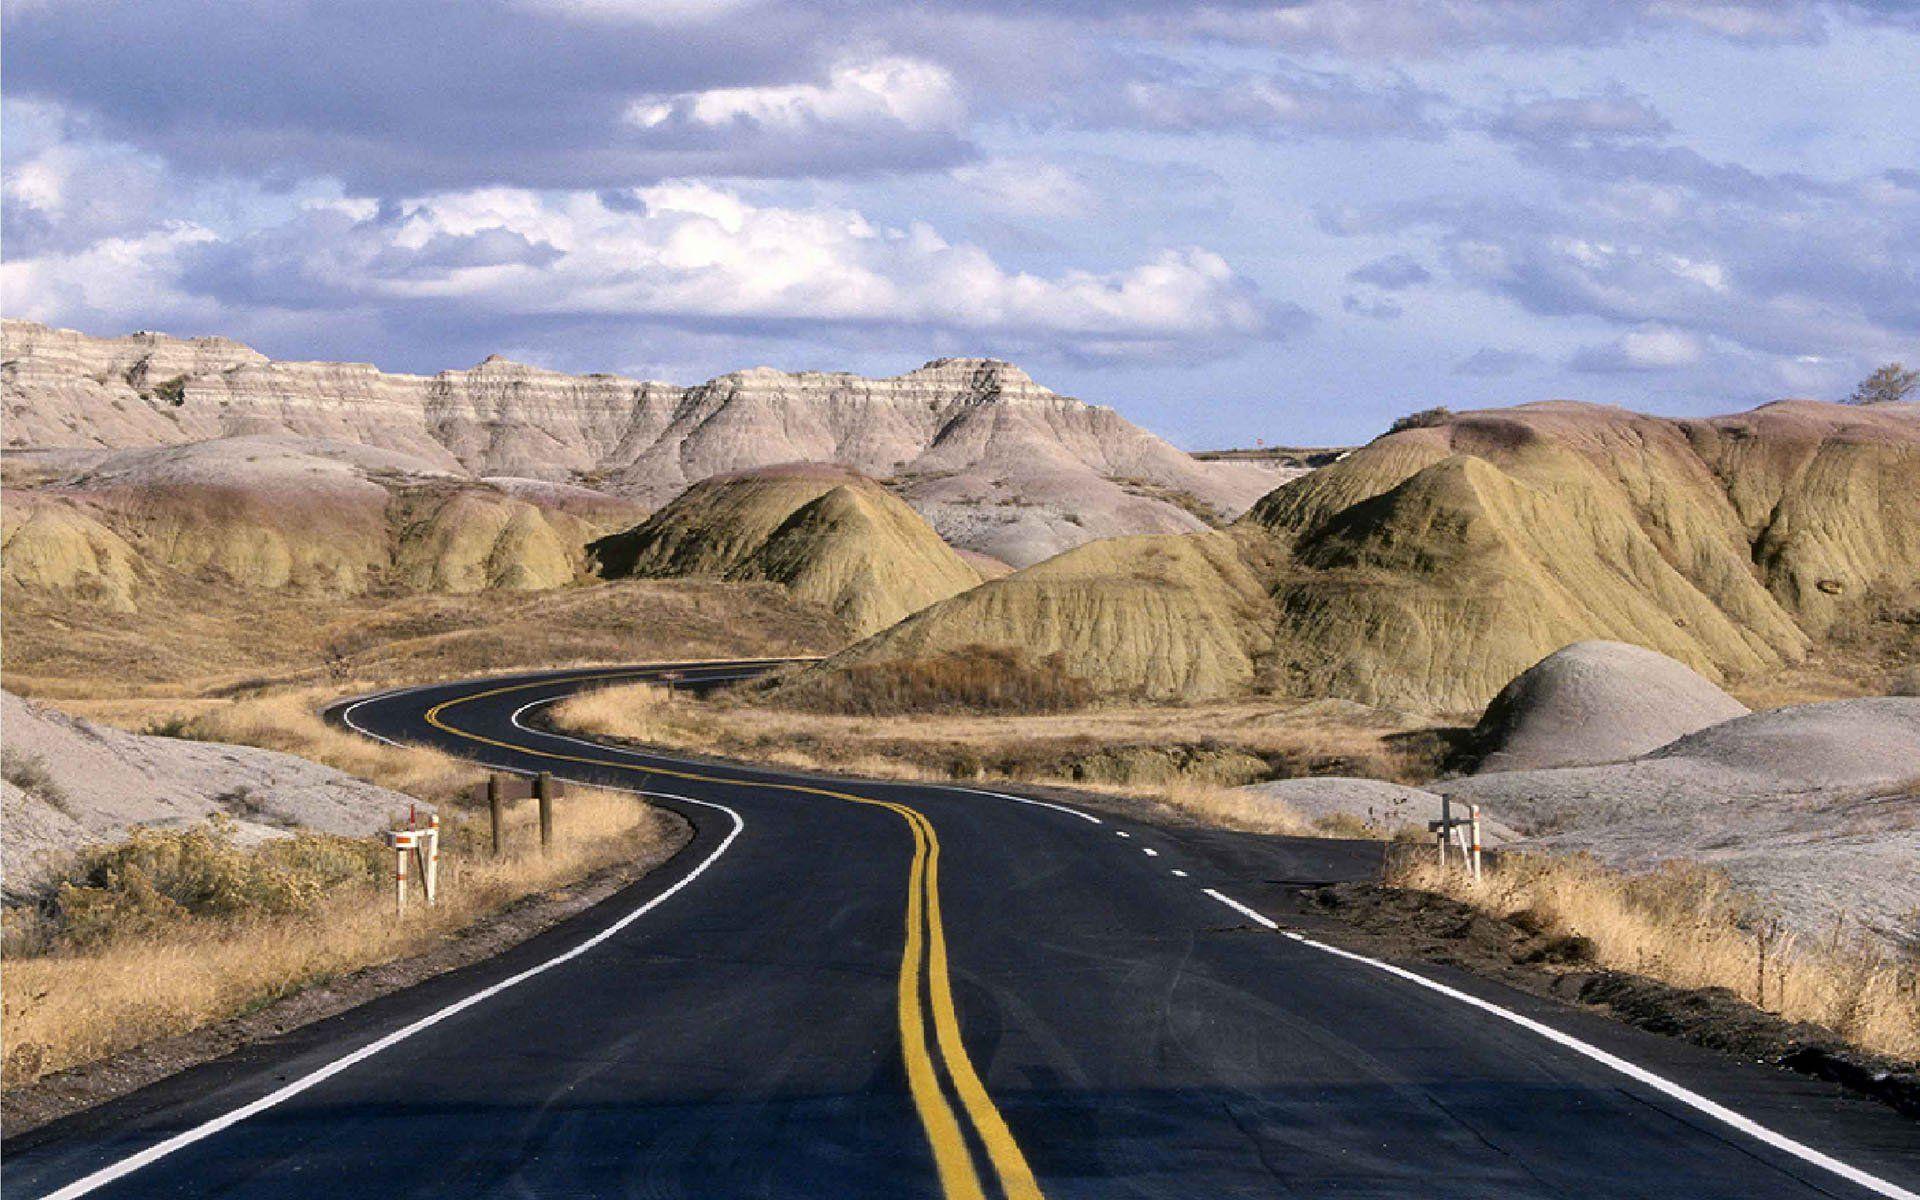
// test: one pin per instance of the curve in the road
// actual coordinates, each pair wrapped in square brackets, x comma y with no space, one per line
[924,980]
[1142,1053]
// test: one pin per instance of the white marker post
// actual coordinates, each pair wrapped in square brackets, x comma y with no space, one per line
[423,846]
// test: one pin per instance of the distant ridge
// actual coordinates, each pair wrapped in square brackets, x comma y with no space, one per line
[999,464]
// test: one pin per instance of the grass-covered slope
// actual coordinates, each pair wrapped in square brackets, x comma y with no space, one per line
[830,536]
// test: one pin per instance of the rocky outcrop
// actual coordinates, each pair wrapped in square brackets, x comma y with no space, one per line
[1596,702]
[996,462]
[1815,807]
[829,535]
[71,783]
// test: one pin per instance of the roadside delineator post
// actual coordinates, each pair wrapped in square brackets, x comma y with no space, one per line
[543,792]
[423,846]
[1463,832]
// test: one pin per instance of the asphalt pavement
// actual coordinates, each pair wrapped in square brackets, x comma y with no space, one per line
[857,989]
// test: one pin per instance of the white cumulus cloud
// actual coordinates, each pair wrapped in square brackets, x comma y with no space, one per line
[911,93]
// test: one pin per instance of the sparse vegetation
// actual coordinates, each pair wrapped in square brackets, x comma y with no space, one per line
[29,773]
[1188,758]
[175,929]
[1426,418]
[173,391]
[1887,385]
[1685,925]
[205,642]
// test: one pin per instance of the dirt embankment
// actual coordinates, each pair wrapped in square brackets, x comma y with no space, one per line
[1523,952]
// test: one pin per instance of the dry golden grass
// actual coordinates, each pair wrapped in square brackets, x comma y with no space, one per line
[78,1004]
[1685,926]
[884,748]
[977,679]
[1228,742]
[216,639]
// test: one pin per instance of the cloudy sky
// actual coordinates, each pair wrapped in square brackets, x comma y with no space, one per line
[1286,220]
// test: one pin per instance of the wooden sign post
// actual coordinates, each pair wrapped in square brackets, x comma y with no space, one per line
[543,792]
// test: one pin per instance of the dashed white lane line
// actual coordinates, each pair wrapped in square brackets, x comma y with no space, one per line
[1121,833]
[1150,852]
[1179,874]
[1658,1083]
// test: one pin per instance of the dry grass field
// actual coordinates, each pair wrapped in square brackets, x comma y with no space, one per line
[172,930]
[1190,758]
[220,641]
[201,930]
[1684,926]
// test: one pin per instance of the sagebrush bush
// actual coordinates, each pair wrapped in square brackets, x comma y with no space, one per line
[981,679]
[163,877]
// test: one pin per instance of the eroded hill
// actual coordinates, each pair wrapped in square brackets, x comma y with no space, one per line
[271,512]
[1432,565]
[831,536]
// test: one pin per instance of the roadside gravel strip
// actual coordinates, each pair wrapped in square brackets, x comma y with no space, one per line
[889,990]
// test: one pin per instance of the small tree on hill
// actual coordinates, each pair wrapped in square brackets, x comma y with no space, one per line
[1890,383]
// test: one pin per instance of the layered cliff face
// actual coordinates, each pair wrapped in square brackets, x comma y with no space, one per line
[270,512]
[831,536]
[1431,566]
[998,464]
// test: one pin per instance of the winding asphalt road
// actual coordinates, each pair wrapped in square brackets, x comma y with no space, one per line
[845,989]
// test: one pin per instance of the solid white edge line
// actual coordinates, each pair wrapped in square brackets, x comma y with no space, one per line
[1639,1074]
[159,1150]
[1242,909]
[1661,1084]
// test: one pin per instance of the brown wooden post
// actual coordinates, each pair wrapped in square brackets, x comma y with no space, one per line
[543,792]
[496,804]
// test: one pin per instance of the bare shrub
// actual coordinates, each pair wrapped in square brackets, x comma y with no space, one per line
[29,773]
[1426,418]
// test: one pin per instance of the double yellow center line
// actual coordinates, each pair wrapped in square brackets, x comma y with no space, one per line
[924,985]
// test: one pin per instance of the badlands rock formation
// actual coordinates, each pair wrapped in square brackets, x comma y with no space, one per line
[1429,567]
[830,535]
[1596,702]
[996,462]
[86,783]
[278,511]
